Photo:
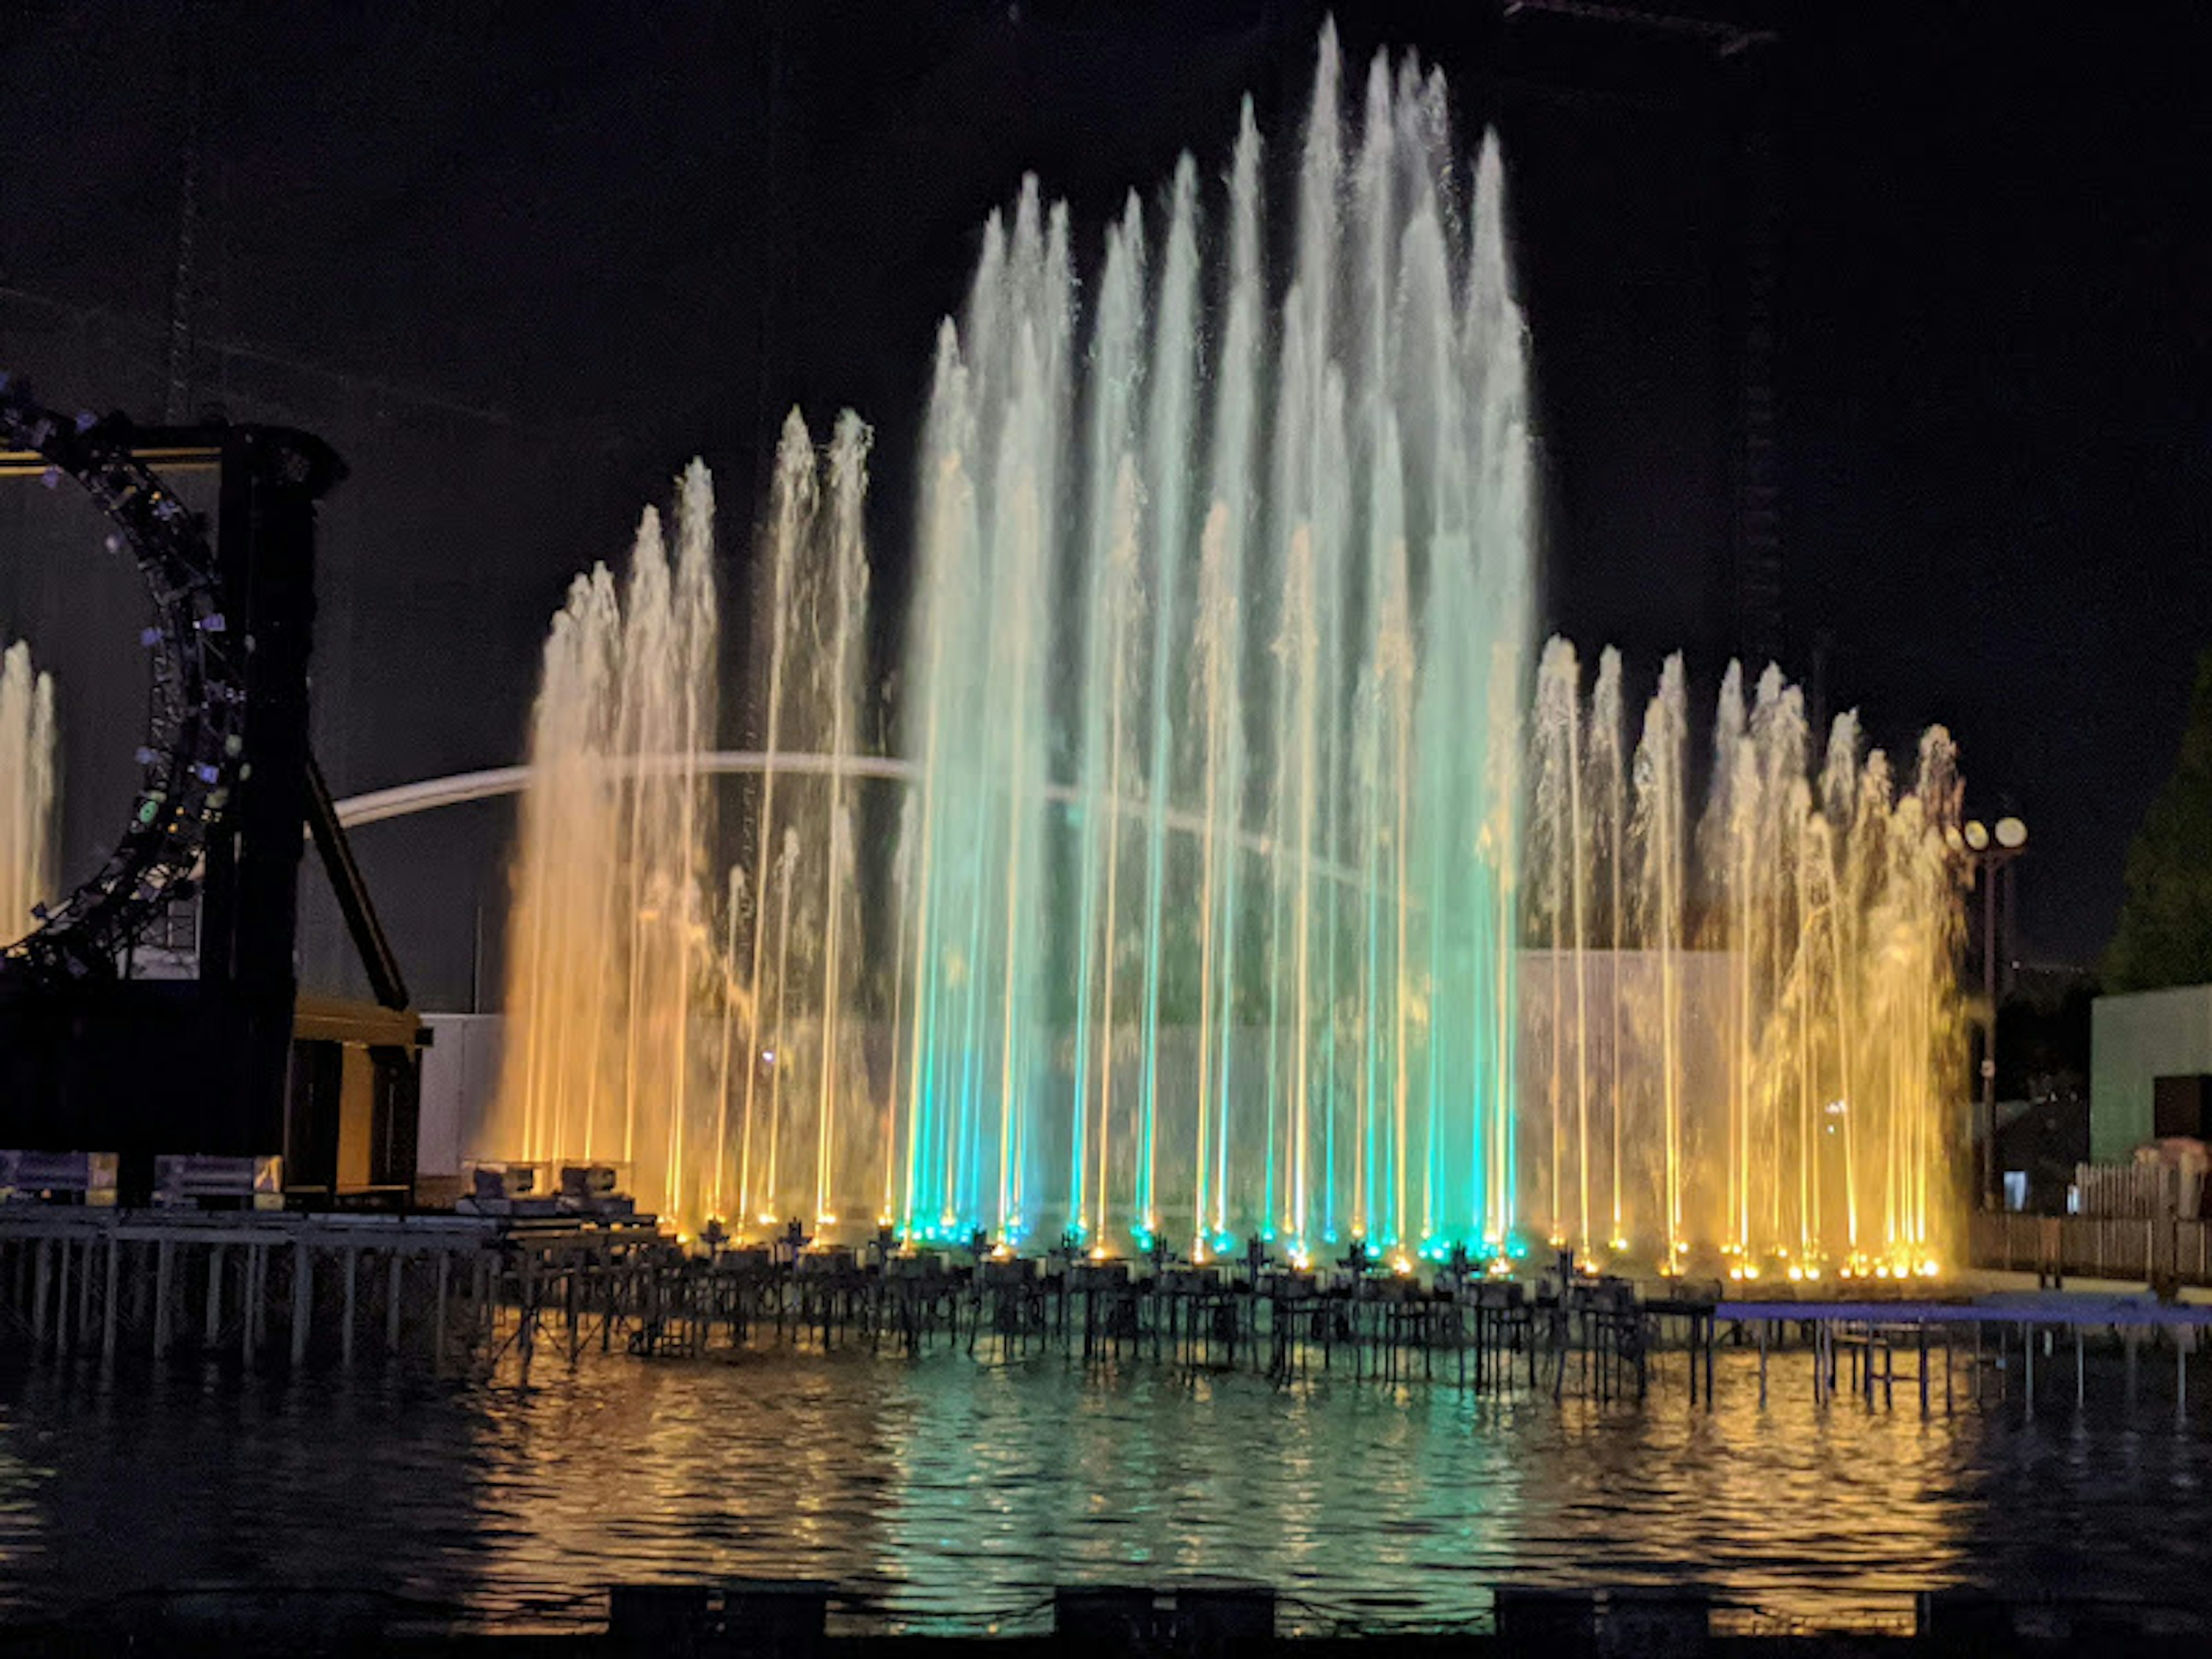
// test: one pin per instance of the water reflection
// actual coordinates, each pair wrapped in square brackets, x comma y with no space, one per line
[952,1494]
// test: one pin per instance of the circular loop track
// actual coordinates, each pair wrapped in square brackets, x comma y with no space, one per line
[192,754]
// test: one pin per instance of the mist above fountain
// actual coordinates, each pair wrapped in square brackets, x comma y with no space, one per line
[1249,876]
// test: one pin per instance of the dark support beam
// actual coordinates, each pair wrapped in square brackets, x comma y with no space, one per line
[377,956]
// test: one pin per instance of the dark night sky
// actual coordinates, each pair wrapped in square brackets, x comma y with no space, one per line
[519,262]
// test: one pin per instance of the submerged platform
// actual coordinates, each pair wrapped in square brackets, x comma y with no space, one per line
[481,1295]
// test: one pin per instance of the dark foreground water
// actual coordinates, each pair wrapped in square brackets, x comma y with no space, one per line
[952,1494]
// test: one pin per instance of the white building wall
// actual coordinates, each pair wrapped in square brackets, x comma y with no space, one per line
[460,1071]
[2135,1039]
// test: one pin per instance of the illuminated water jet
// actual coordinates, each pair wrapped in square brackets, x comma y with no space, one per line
[1220,756]
[30,788]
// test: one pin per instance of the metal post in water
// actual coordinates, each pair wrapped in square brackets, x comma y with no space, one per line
[249,1301]
[213,1326]
[303,1291]
[345,1307]
[164,1262]
[438,1315]
[38,1292]
[107,1312]
[61,1300]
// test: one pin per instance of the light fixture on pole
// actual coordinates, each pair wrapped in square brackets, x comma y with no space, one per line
[1989,849]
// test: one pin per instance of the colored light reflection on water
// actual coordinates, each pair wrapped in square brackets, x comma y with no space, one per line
[953,1495]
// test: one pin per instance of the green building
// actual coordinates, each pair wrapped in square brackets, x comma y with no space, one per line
[2150,1068]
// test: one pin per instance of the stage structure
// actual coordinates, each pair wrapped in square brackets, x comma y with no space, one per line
[227,1058]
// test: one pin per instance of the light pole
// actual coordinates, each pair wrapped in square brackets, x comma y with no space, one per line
[1990,850]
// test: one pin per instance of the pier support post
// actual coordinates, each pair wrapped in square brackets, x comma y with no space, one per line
[39,1284]
[391,1304]
[164,1270]
[438,1316]
[525,1333]
[479,1303]
[303,1293]
[62,1297]
[345,1307]
[249,1292]
[108,1308]
[212,1325]
[84,1285]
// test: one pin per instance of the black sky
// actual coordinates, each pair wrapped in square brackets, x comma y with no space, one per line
[519,262]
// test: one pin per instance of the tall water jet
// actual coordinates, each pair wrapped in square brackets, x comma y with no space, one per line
[607,917]
[807,1137]
[1558,848]
[791,518]
[1294,575]
[1607,793]
[1220,752]
[1800,956]
[1658,845]
[1108,557]
[841,657]
[1169,423]
[30,788]
[980,723]
[705,1039]
[1231,524]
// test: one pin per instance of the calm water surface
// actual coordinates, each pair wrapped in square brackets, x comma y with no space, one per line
[953,1493]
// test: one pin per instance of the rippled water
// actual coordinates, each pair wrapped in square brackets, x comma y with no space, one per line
[951,1492]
